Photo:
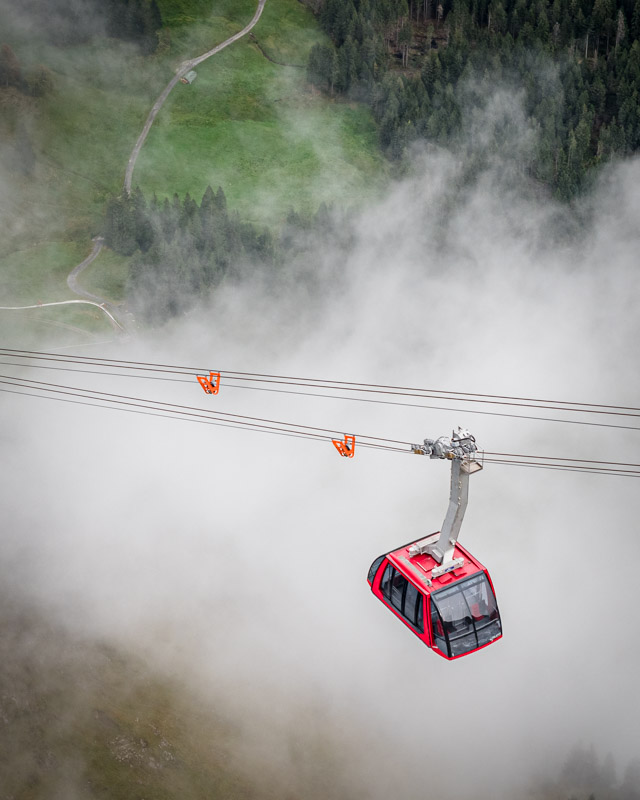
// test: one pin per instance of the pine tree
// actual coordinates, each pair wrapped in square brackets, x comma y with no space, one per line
[221,200]
[621,29]
[630,789]
[208,201]
[120,225]
[144,232]
[635,21]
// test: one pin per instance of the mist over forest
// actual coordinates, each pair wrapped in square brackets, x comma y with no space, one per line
[184,609]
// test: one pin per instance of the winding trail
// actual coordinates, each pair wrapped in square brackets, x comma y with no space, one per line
[181,72]
[72,283]
[89,299]
[101,306]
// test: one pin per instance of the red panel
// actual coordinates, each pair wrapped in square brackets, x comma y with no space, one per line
[418,568]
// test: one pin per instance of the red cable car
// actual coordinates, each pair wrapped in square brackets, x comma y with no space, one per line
[436,587]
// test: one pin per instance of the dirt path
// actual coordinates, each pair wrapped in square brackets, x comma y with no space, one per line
[101,306]
[182,70]
[72,283]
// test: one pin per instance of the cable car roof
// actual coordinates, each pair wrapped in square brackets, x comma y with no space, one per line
[419,568]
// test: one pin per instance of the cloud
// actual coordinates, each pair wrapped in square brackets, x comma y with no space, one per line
[240,559]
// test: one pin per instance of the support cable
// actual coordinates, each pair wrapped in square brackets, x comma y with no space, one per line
[106,400]
[522,402]
[338,385]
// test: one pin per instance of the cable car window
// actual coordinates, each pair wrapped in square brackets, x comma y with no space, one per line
[420,612]
[403,596]
[465,615]
[385,583]
[413,606]
[398,586]
[437,629]
[373,569]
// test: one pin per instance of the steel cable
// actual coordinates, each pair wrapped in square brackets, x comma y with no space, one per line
[146,367]
[174,411]
[156,405]
[521,402]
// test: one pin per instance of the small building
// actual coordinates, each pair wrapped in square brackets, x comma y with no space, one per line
[189,77]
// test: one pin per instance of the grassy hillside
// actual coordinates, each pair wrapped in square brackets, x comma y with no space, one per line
[81,719]
[251,124]
[38,274]
[248,123]
[252,127]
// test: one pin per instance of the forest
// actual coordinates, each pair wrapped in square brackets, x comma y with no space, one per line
[181,250]
[424,66]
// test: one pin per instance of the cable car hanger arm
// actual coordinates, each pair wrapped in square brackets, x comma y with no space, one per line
[460,449]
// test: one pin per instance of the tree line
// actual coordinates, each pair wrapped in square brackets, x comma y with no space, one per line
[585,774]
[179,250]
[422,65]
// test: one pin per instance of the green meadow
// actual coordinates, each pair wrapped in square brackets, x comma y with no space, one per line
[38,274]
[249,123]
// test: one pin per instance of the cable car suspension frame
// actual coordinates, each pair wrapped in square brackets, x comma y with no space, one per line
[460,449]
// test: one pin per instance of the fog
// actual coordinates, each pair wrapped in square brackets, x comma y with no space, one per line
[238,560]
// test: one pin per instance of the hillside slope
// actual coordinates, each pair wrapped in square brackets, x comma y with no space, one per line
[79,718]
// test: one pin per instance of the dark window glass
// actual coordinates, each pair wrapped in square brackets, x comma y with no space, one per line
[412,605]
[437,629]
[373,569]
[398,586]
[385,583]
[465,615]
[420,612]
[403,596]
[488,632]
[463,644]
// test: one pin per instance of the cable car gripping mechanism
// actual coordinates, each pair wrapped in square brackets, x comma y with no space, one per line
[347,447]
[460,449]
[211,385]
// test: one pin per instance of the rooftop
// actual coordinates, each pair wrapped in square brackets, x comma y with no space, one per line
[418,568]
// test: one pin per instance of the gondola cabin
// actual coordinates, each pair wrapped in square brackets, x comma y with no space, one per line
[453,611]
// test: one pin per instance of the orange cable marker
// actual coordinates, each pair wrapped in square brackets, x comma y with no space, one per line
[211,385]
[347,447]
